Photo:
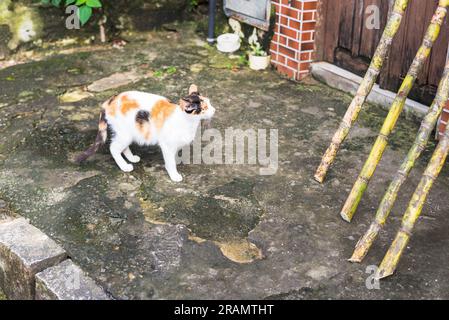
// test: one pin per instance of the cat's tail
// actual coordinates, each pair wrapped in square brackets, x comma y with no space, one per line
[99,140]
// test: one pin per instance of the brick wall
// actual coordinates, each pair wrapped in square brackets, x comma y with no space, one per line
[292,46]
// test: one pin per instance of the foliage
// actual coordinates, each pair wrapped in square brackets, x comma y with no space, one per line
[257,50]
[193,4]
[165,71]
[85,7]
[243,61]
[255,46]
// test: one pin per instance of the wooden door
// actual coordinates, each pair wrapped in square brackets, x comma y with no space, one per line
[345,41]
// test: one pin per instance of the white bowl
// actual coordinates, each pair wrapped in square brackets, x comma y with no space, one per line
[228,42]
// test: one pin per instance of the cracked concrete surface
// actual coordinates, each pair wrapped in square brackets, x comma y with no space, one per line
[225,231]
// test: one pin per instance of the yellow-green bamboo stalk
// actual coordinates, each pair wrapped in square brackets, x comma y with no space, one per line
[432,33]
[414,153]
[391,259]
[392,27]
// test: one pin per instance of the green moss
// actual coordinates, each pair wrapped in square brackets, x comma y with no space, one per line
[402,136]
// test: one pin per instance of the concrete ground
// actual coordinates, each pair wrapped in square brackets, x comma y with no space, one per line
[225,231]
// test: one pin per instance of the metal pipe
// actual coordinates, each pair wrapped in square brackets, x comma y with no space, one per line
[211,30]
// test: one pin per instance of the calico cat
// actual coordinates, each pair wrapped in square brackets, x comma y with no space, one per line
[149,119]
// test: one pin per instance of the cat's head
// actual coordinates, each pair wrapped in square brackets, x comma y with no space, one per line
[197,105]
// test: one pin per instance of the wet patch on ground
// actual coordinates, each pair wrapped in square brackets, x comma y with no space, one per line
[224,214]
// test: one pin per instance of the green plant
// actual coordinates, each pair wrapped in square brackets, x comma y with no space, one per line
[243,61]
[85,7]
[171,70]
[158,73]
[165,71]
[193,4]
[256,50]
[255,46]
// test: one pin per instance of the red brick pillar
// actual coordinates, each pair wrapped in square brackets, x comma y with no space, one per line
[292,46]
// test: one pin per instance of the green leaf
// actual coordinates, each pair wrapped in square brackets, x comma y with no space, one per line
[80,2]
[69,2]
[171,70]
[45,1]
[94,3]
[56,3]
[84,13]
[158,73]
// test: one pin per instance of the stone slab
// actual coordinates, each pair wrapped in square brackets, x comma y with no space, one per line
[66,281]
[348,82]
[24,251]
[114,81]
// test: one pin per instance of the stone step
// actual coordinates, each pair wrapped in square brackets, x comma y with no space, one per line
[67,281]
[24,252]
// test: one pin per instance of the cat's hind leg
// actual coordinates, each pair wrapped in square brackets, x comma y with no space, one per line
[169,154]
[116,148]
[130,156]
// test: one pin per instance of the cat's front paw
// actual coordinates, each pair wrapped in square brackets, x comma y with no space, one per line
[134,159]
[175,177]
[127,167]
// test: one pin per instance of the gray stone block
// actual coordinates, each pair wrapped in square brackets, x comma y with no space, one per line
[346,81]
[67,281]
[24,252]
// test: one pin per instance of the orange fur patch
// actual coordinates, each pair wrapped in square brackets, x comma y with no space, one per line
[111,106]
[128,104]
[145,130]
[161,111]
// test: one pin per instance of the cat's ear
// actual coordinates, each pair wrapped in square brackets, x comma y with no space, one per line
[193,88]
[184,104]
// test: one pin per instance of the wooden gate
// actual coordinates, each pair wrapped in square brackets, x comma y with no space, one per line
[344,39]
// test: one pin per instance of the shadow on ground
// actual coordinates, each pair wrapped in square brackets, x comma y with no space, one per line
[225,231]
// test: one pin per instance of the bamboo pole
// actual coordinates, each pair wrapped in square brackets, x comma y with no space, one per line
[414,153]
[365,88]
[432,33]
[391,259]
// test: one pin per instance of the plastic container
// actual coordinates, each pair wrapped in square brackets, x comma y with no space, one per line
[228,42]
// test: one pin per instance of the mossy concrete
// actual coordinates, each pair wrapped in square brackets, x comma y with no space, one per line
[225,231]
[29,26]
